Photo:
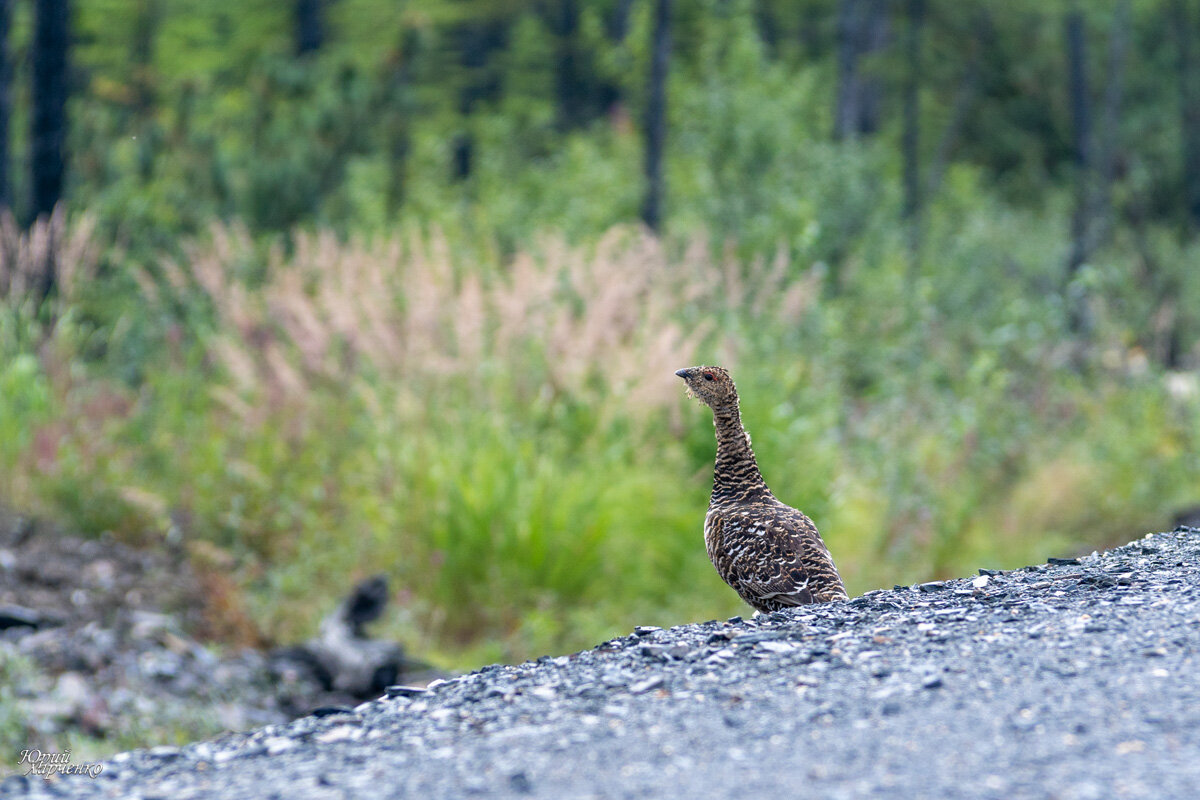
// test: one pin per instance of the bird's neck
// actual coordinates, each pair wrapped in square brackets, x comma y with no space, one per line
[736,476]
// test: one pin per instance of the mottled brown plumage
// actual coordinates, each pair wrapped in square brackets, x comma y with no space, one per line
[770,553]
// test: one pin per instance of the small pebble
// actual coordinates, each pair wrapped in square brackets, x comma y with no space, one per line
[643,686]
[520,783]
[329,711]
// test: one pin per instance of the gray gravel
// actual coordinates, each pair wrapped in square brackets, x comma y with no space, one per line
[1065,680]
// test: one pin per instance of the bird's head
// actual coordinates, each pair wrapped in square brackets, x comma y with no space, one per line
[711,386]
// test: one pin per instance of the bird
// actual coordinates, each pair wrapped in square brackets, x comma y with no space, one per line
[768,552]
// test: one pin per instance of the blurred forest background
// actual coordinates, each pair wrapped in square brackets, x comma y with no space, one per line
[322,288]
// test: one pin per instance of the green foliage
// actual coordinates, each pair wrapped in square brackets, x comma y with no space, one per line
[24,397]
[515,452]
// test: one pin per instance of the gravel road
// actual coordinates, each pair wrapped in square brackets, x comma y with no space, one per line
[1075,679]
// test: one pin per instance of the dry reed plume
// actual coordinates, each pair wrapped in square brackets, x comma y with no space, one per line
[621,314]
[26,255]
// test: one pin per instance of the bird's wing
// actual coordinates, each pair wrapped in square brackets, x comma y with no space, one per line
[793,564]
[779,577]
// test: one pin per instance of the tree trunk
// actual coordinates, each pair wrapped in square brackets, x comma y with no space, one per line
[149,14]
[656,114]
[571,85]
[875,39]
[862,29]
[581,92]
[49,124]
[48,136]
[310,33]
[398,110]
[1110,116]
[845,114]
[475,41]
[141,53]
[618,20]
[767,25]
[1081,130]
[1189,108]
[912,131]
[5,105]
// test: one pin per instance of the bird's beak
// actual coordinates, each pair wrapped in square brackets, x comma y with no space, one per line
[683,373]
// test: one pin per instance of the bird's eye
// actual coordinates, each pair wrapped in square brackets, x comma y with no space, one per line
[708,376]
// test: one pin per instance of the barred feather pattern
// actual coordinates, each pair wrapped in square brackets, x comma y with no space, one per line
[769,553]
